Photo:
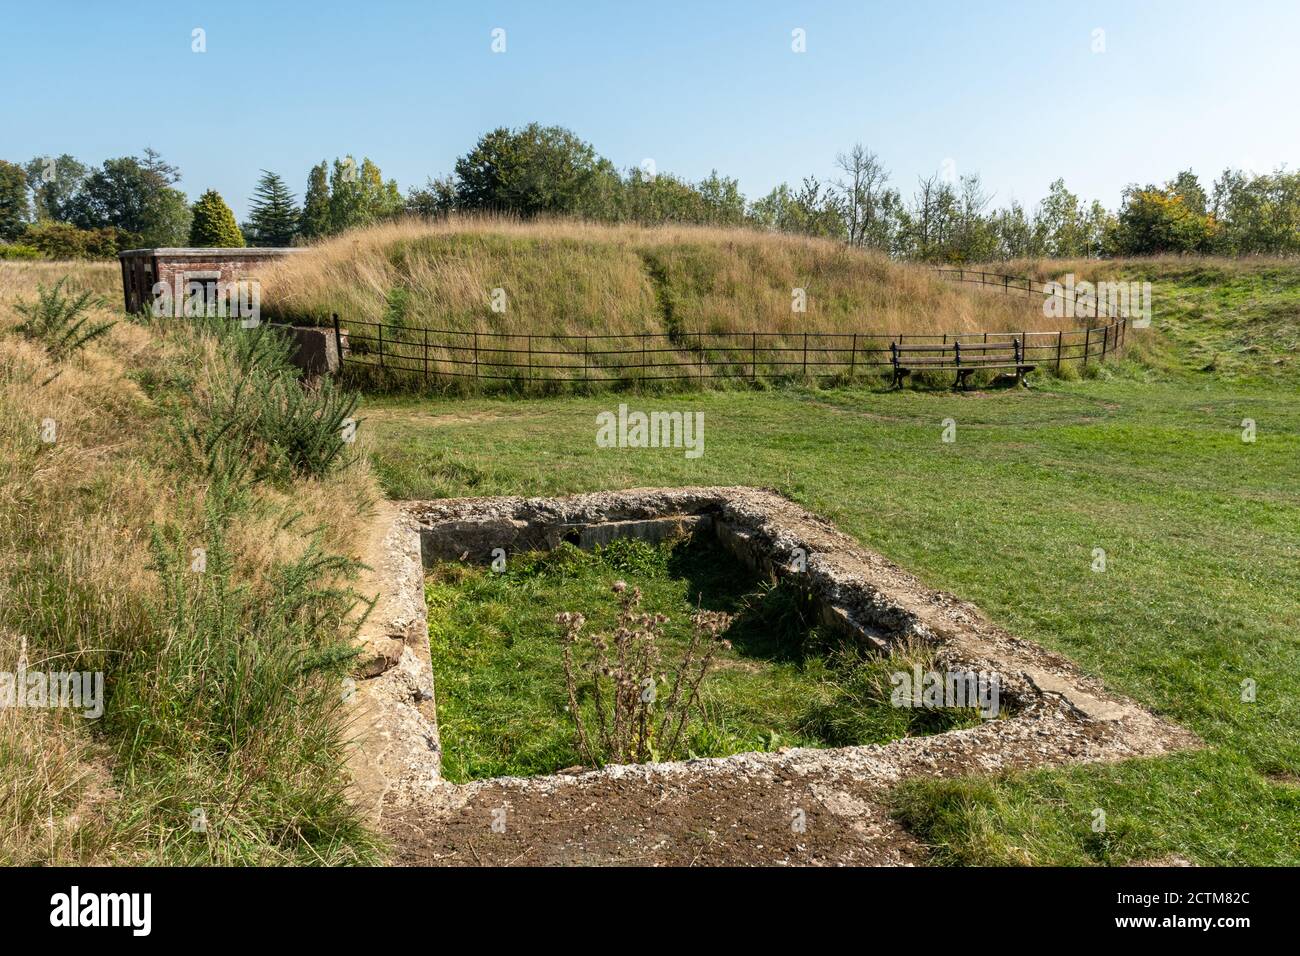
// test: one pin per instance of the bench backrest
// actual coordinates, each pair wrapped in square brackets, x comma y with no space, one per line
[973,353]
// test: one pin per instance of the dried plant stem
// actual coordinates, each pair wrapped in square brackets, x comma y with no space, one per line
[625,729]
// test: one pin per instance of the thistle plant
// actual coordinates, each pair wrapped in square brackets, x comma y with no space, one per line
[623,671]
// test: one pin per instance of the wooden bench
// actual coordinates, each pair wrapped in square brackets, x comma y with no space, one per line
[963,358]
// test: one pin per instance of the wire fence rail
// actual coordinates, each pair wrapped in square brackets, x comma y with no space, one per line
[404,352]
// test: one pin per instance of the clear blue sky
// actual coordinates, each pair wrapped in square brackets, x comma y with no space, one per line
[1012,89]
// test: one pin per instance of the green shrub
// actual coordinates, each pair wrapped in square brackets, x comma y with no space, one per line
[58,322]
[62,240]
[260,421]
[214,224]
[9,251]
[305,428]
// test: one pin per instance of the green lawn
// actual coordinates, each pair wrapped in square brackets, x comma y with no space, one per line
[1201,590]
[498,670]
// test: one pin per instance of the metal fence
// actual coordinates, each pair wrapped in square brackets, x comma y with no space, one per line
[1101,307]
[496,357]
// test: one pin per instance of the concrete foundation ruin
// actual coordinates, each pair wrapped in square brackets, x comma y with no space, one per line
[1059,714]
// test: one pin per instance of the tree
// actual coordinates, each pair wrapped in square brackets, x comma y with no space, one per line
[1060,221]
[865,198]
[1015,236]
[348,207]
[134,195]
[1257,214]
[437,198]
[1188,188]
[974,239]
[53,183]
[1156,220]
[659,198]
[214,224]
[274,213]
[930,225]
[381,200]
[315,220]
[13,201]
[811,211]
[1099,226]
[721,200]
[534,170]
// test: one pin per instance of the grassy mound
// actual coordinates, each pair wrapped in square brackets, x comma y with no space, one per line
[575,278]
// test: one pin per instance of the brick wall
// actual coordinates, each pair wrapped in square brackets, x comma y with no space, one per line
[142,268]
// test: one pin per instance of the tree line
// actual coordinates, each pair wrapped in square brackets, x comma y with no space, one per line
[60,208]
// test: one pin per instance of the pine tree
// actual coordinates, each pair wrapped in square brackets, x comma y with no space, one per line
[214,224]
[274,217]
[315,220]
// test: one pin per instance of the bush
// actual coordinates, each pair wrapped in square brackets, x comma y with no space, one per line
[260,421]
[8,251]
[306,428]
[58,322]
[61,240]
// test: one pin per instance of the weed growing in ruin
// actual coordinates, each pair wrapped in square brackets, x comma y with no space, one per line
[623,672]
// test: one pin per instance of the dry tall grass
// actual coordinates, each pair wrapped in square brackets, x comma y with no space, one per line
[565,277]
[78,579]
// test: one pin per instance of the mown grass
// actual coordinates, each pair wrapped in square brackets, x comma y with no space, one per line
[502,708]
[1200,529]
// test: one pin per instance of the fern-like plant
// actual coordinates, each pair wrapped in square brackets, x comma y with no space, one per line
[61,323]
